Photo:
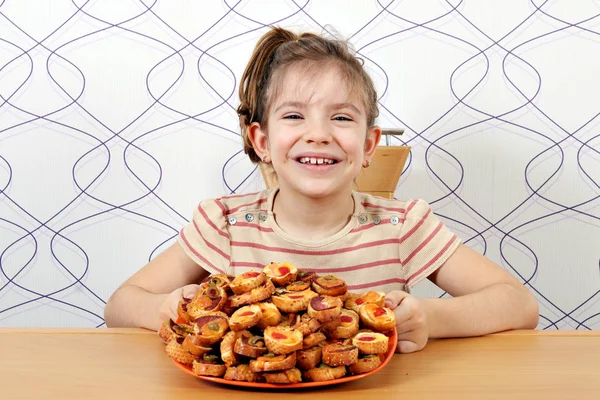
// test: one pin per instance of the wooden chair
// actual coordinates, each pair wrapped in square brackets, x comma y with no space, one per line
[380,179]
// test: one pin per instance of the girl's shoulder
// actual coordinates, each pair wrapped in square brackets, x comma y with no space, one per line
[240,203]
[389,207]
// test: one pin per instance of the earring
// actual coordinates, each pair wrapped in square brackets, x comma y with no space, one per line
[265,161]
[368,163]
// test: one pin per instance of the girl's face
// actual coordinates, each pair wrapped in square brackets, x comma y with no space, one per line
[317,134]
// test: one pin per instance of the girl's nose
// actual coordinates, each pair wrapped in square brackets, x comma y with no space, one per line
[318,133]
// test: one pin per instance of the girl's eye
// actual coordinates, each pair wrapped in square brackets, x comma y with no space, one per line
[292,116]
[342,118]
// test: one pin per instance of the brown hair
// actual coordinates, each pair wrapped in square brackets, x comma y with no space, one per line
[279,49]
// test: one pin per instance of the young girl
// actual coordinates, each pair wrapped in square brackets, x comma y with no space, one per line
[308,108]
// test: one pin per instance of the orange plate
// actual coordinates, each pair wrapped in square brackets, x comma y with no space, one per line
[261,385]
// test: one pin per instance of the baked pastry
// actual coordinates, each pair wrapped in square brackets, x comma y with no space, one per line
[380,319]
[247,281]
[245,317]
[365,364]
[283,340]
[329,285]
[348,327]
[292,375]
[281,274]
[218,280]
[306,324]
[210,328]
[210,365]
[324,372]
[355,301]
[339,354]
[293,302]
[371,342]
[166,333]
[249,345]
[270,315]
[298,286]
[194,346]
[325,308]
[313,339]
[308,358]
[272,362]
[178,353]
[255,295]
[241,372]
[306,276]
[209,300]
[226,347]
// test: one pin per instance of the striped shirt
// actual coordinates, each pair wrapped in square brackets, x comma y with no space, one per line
[387,244]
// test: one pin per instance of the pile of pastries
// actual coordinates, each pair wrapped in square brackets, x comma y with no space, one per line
[279,325]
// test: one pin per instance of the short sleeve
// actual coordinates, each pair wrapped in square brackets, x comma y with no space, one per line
[425,243]
[205,239]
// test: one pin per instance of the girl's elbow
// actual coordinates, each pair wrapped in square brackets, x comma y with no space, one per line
[531,310]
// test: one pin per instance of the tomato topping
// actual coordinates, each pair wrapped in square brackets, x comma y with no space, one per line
[360,300]
[346,318]
[367,338]
[283,271]
[251,274]
[295,296]
[245,314]
[277,335]
[379,312]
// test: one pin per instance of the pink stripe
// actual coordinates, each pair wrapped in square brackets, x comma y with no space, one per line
[260,201]
[247,264]
[204,260]
[371,205]
[372,264]
[417,226]
[210,245]
[377,283]
[423,244]
[434,259]
[313,252]
[221,206]
[209,222]
[255,226]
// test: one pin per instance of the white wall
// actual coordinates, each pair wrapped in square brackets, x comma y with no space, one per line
[117,118]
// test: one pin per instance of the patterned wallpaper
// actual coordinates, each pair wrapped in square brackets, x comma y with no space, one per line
[118,116]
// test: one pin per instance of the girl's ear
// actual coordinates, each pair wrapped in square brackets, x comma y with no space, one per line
[260,141]
[373,137]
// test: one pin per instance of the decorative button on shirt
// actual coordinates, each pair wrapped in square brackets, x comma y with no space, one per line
[376,219]
[394,220]
[249,217]
[262,216]
[362,218]
[232,220]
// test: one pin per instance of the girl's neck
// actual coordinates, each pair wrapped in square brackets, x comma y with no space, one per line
[312,219]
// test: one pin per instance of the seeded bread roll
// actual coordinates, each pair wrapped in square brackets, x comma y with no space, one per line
[293,302]
[241,372]
[348,327]
[249,345]
[324,373]
[273,362]
[292,375]
[281,274]
[308,358]
[247,281]
[355,301]
[338,354]
[245,317]
[313,339]
[175,350]
[329,285]
[208,368]
[325,308]
[255,295]
[166,333]
[270,315]
[371,342]
[191,343]
[227,345]
[210,328]
[365,364]
[209,300]
[380,319]
[282,340]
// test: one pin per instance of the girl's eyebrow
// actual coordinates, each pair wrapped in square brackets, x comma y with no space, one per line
[336,106]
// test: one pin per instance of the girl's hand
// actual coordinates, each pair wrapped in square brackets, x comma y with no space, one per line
[411,321]
[168,308]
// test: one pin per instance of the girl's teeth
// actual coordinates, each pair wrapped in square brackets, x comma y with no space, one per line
[315,161]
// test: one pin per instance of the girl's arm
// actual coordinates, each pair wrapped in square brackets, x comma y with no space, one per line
[150,294]
[485,299]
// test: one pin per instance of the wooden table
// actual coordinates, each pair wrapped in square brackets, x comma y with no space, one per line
[130,364]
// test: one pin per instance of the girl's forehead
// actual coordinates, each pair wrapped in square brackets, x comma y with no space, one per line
[307,84]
